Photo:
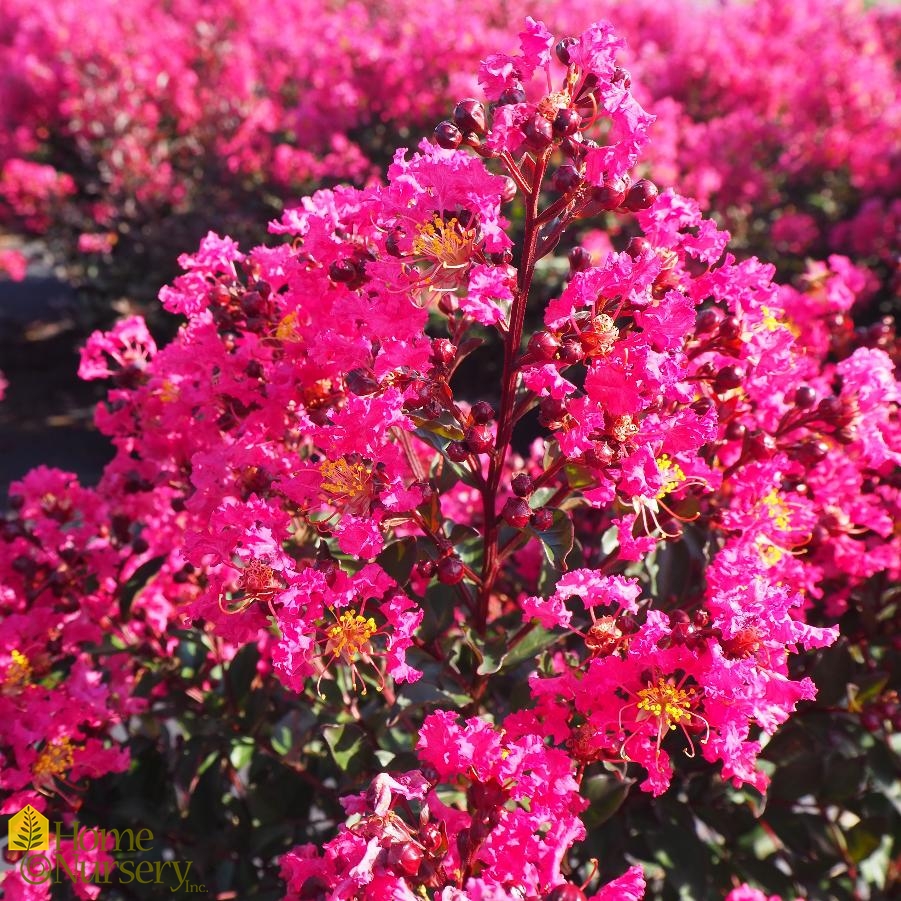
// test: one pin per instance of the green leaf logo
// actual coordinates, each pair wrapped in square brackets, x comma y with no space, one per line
[29,830]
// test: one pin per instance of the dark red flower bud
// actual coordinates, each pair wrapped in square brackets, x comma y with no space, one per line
[609,197]
[579,259]
[479,439]
[457,451]
[443,351]
[361,383]
[522,485]
[543,346]
[600,455]
[810,451]
[871,720]
[450,570]
[538,132]
[566,178]
[542,519]
[405,858]
[727,378]
[469,115]
[761,445]
[642,194]
[566,892]
[707,321]
[562,50]
[342,271]
[516,512]
[447,135]
[567,121]
[637,246]
[512,95]
[482,412]
[550,411]
[730,327]
[572,351]
[805,397]
[426,568]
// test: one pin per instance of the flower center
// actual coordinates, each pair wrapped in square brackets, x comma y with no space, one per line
[258,581]
[624,428]
[18,674]
[448,244]
[600,336]
[603,636]
[666,703]
[672,475]
[349,482]
[55,759]
[778,511]
[350,635]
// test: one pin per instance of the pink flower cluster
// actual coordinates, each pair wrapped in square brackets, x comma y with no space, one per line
[303,436]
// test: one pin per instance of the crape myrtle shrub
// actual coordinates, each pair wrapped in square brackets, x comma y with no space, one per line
[127,133]
[328,635]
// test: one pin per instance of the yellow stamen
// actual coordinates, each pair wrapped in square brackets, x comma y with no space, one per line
[18,674]
[168,392]
[55,759]
[672,474]
[446,243]
[350,635]
[665,702]
[778,511]
[349,483]
[286,330]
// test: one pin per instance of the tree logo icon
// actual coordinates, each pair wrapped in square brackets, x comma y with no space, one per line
[29,830]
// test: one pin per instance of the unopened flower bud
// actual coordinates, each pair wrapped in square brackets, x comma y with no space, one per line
[512,95]
[479,439]
[566,892]
[443,351]
[426,568]
[609,197]
[562,50]
[579,259]
[707,321]
[567,121]
[637,246]
[447,135]
[642,194]
[566,178]
[727,378]
[805,397]
[543,346]
[469,115]
[405,858]
[482,412]
[522,485]
[538,132]
[516,512]
[450,570]
[457,451]
[542,519]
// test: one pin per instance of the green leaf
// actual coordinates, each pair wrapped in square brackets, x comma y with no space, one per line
[139,580]
[606,795]
[863,839]
[347,745]
[557,541]
[397,559]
